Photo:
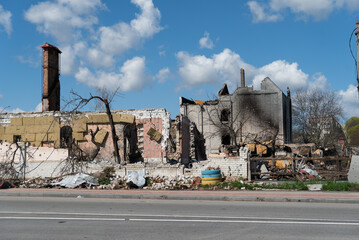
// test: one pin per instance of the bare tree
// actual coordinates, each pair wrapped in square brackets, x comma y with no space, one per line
[105,93]
[228,123]
[105,97]
[316,114]
[2,110]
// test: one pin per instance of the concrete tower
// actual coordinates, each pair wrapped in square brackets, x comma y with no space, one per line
[51,82]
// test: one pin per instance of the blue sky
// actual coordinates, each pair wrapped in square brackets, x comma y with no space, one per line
[156,51]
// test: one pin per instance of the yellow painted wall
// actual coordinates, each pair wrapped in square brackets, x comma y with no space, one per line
[33,129]
[40,129]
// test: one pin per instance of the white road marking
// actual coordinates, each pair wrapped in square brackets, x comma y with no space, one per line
[63,218]
[241,221]
[181,220]
[179,216]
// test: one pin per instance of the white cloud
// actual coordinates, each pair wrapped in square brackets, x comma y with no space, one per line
[302,9]
[225,67]
[283,74]
[28,60]
[123,36]
[68,60]
[17,110]
[319,9]
[163,75]
[350,101]
[1,96]
[63,19]
[148,22]
[206,42]
[351,5]
[196,70]
[5,20]
[319,81]
[38,107]
[228,64]
[131,76]
[118,38]
[99,58]
[7,110]
[259,14]
[69,21]
[161,50]
[134,77]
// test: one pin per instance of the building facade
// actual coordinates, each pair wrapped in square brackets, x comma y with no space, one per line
[245,116]
[142,134]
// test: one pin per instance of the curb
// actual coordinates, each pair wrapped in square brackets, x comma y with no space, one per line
[189,196]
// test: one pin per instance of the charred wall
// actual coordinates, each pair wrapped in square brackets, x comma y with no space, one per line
[255,115]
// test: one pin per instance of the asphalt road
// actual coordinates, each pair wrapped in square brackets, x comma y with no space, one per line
[82,218]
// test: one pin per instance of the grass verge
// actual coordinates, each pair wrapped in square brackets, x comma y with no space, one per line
[303,186]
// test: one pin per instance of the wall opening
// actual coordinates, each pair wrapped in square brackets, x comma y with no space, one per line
[226,139]
[16,138]
[131,149]
[66,137]
[225,115]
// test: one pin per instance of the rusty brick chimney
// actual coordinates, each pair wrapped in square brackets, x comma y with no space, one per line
[50,81]
[243,81]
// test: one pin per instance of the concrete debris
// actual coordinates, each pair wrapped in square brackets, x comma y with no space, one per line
[315,187]
[212,168]
[5,185]
[136,179]
[154,134]
[100,136]
[77,180]
[309,171]
[300,168]
[353,174]
[264,169]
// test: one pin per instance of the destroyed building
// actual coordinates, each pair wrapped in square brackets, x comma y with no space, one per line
[90,132]
[56,140]
[243,117]
[142,134]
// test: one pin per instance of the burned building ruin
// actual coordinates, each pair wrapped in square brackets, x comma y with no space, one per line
[243,117]
[146,137]
[142,135]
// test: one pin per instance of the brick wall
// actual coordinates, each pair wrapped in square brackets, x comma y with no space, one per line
[229,166]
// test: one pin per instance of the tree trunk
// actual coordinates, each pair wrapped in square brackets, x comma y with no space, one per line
[113,131]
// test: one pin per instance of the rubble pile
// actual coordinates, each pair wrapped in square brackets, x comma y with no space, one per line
[300,162]
[114,182]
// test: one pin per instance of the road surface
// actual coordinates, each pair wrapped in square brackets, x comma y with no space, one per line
[81,218]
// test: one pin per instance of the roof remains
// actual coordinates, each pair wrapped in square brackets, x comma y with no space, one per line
[224,90]
[48,45]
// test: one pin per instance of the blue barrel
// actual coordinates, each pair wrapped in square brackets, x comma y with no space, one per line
[206,172]
[211,177]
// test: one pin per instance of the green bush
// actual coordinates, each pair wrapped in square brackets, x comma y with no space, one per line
[108,172]
[303,186]
[104,181]
[342,186]
[352,131]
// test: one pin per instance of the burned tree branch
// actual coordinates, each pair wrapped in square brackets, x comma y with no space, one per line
[79,102]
